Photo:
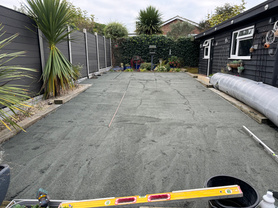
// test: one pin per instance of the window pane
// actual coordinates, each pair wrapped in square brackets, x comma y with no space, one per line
[247,32]
[244,47]
[206,51]
[234,44]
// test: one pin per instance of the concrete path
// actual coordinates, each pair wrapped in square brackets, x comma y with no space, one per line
[169,133]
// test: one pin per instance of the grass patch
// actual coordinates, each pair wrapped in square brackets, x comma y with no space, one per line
[193,70]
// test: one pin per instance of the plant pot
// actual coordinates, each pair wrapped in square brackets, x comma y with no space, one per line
[4,181]
[240,69]
[233,65]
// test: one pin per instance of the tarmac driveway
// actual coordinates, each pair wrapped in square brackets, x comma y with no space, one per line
[135,134]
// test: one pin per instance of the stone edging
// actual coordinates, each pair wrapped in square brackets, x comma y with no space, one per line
[7,134]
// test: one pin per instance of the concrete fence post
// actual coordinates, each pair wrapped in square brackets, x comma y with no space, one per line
[87,52]
[41,49]
[105,52]
[98,64]
[111,52]
[69,45]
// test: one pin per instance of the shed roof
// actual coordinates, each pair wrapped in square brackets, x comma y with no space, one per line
[259,11]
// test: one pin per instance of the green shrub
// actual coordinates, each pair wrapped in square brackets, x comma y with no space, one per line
[115,30]
[175,70]
[185,48]
[174,61]
[161,69]
[168,67]
[146,66]
[143,70]
[129,70]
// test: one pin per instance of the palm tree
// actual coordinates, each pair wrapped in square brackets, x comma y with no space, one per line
[11,95]
[51,17]
[149,21]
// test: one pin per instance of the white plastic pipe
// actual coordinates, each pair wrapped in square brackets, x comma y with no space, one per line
[267,149]
[257,95]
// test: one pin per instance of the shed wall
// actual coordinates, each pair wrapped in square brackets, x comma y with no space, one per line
[261,65]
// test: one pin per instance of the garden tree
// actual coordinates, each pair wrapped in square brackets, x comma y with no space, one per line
[149,21]
[115,30]
[180,29]
[51,17]
[81,20]
[78,21]
[11,95]
[224,13]
[99,28]
[204,25]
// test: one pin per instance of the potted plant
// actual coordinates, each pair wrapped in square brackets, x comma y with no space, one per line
[4,181]
[234,64]
[174,62]
[136,62]
[127,66]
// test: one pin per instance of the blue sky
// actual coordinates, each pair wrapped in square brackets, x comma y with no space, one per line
[126,11]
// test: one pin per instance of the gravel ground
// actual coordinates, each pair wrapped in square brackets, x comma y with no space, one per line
[169,133]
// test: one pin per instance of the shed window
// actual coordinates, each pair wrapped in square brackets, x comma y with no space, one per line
[241,43]
[206,46]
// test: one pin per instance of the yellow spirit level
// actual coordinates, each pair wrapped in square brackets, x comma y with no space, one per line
[208,193]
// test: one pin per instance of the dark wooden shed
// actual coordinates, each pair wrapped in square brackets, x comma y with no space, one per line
[248,38]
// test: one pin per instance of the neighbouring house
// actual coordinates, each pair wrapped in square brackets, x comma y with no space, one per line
[246,45]
[166,26]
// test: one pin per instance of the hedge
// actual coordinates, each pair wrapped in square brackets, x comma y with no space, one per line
[184,48]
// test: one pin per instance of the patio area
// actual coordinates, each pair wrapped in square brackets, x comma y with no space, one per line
[135,134]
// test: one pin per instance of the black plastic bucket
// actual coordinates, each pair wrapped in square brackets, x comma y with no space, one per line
[250,197]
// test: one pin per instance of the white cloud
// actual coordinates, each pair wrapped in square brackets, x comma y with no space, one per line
[126,11]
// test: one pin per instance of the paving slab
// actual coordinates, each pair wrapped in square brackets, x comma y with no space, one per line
[168,132]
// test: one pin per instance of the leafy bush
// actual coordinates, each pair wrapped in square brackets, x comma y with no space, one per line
[115,30]
[174,61]
[129,70]
[146,66]
[143,70]
[12,96]
[186,49]
[175,70]
[168,67]
[161,69]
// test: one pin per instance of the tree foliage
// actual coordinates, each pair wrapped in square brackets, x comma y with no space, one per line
[204,25]
[225,12]
[180,29]
[79,20]
[115,30]
[149,21]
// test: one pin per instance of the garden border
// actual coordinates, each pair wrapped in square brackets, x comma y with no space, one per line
[6,134]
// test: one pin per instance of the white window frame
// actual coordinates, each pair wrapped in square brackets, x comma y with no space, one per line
[207,47]
[239,38]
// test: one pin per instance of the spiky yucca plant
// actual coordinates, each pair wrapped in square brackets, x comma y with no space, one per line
[11,95]
[51,17]
[149,21]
